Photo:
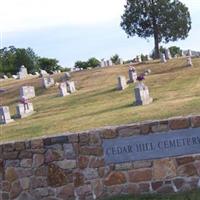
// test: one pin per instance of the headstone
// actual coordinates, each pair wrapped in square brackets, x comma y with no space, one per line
[27,91]
[147,57]
[132,74]
[67,75]
[5,77]
[22,72]
[5,115]
[43,73]
[102,64]
[142,94]
[63,89]
[24,108]
[163,59]
[147,72]
[189,53]
[189,62]
[70,86]
[47,82]
[109,63]
[121,62]
[168,54]
[122,84]
[138,59]
[15,76]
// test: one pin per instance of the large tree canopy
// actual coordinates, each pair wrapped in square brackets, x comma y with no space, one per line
[165,20]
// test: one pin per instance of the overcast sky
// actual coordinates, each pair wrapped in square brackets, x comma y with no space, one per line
[71,30]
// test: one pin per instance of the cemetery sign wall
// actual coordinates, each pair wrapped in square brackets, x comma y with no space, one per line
[153,146]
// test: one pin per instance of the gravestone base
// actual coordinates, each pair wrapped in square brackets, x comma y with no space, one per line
[142,95]
[5,115]
[144,102]
[7,121]
[22,112]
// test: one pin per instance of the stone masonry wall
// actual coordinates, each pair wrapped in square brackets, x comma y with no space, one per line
[71,166]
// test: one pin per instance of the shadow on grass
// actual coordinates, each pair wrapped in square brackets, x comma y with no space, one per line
[107,110]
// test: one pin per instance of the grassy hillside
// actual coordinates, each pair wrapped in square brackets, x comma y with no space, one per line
[174,87]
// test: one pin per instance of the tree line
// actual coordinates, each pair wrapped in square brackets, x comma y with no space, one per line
[12,58]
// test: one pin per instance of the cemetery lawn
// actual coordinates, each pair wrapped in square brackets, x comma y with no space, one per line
[192,195]
[174,87]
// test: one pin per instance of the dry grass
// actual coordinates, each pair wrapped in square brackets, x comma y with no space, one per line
[174,87]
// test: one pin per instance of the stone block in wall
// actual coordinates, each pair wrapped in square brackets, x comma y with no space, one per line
[66,192]
[90,173]
[179,123]
[78,179]
[115,178]
[184,160]
[94,151]
[142,164]
[109,133]
[83,162]
[140,175]
[15,189]
[96,162]
[84,192]
[187,170]
[195,121]
[69,152]
[57,177]
[53,155]
[37,144]
[164,169]
[97,188]
[129,130]
[66,164]
[124,166]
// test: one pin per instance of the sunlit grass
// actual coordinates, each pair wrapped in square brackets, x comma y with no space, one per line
[174,87]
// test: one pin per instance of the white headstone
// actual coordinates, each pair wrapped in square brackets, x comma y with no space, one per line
[5,115]
[182,53]
[63,89]
[132,74]
[168,54]
[189,62]
[47,82]
[138,59]
[122,84]
[67,75]
[109,63]
[43,73]
[121,62]
[36,73]
[22,72]
[15,76]
[70,86]
[5,77]
[142,94]
[189,53]
[27,91]
[102,64]
[163,59]
[24,110]
[147,72]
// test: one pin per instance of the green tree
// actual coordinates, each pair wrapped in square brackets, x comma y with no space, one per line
[164,20]
[27,58]
[48,64]
[174,50]
[81,64]
[115,59]
[93,62]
